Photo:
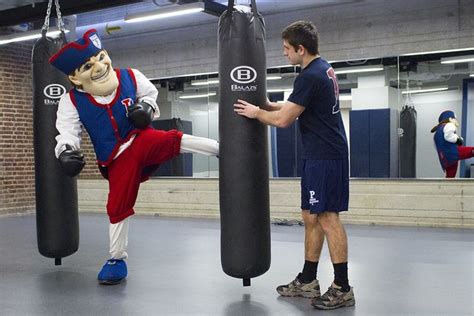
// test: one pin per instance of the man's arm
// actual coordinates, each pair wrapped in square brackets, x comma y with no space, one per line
[272,106]
[282,117]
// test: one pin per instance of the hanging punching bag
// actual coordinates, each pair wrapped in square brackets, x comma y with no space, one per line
[243,158]
[408,142]
[57,220]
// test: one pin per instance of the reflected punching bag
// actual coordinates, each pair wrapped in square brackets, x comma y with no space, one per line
[243,157]
[57,220]
[408,142]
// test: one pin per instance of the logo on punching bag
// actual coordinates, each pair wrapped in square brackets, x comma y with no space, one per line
[53,92]
[243,75]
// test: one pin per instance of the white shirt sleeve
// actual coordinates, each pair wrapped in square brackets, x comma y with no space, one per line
[146,91]
[449,131]
[68,125]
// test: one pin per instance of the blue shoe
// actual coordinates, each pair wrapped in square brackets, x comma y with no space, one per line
[113,272]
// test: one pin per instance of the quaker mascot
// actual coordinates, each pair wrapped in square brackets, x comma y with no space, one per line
[449,145]
[116,107]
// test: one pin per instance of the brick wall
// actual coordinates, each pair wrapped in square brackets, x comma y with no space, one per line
[16,132]
[16,129]
[90,171]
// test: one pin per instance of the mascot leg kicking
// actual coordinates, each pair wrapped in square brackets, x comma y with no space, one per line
[449,145]
[116,107]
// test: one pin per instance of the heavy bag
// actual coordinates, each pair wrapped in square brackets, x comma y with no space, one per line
[243,157]
[408,142]
[57,221]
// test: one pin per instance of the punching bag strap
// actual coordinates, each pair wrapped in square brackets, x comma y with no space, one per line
[230,7]
[254,8]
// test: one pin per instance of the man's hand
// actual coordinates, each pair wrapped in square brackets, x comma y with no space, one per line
[246,109]
[72,161]
[140,114]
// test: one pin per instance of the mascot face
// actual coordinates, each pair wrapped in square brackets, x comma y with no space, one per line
[96,76]
[454,121]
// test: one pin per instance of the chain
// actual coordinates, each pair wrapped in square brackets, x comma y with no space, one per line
[60,19]
[61,27]
[45,27]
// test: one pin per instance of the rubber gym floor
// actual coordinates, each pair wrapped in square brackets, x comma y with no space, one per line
[174,269]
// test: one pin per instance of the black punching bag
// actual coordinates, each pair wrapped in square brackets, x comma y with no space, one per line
[243,157]
[57,220]
[408,142]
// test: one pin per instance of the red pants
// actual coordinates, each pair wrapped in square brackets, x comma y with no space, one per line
[150,147]
[464,153]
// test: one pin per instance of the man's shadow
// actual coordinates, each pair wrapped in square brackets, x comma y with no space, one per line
[305,307]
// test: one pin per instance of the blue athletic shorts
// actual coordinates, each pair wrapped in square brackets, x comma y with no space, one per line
[325,185]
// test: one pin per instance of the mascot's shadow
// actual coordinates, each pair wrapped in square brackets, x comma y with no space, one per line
[246,307]
[69,284]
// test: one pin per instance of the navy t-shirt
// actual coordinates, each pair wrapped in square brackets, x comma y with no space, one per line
[321,127]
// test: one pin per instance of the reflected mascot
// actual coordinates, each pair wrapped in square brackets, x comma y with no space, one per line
[116,107]
[449,145]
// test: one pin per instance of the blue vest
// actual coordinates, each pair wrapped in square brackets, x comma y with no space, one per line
[107,124]
[447,152]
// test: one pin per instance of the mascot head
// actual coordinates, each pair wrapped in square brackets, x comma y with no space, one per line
[448,117]
[87,65]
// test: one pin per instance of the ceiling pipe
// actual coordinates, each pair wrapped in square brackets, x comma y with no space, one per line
[120,27]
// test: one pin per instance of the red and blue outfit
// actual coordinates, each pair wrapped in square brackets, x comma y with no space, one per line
[125,154]
[107,124]
[447,145]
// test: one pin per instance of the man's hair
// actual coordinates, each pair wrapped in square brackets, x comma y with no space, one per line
[302,33]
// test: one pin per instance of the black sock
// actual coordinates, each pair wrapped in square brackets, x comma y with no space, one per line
[340,276]
[310,270]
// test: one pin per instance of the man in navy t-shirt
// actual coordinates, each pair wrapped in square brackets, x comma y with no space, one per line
[325,176]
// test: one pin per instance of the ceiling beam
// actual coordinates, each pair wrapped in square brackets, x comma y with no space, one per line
[68,7]
[214,8]
[210,6]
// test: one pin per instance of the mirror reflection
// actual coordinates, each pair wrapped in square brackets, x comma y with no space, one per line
[389,106]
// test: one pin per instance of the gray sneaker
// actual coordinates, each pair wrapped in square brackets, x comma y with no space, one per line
[298,288]
[334,298]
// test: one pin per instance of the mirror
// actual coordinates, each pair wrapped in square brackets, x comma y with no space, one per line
[388,106]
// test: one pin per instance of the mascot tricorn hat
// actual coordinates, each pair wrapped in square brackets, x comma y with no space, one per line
[74,54]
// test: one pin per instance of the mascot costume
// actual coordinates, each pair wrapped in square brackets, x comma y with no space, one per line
[449,145]
[116,107]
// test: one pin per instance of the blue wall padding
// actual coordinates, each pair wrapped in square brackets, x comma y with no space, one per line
[286,151]
[379,143]
[183,164]
[359,143]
